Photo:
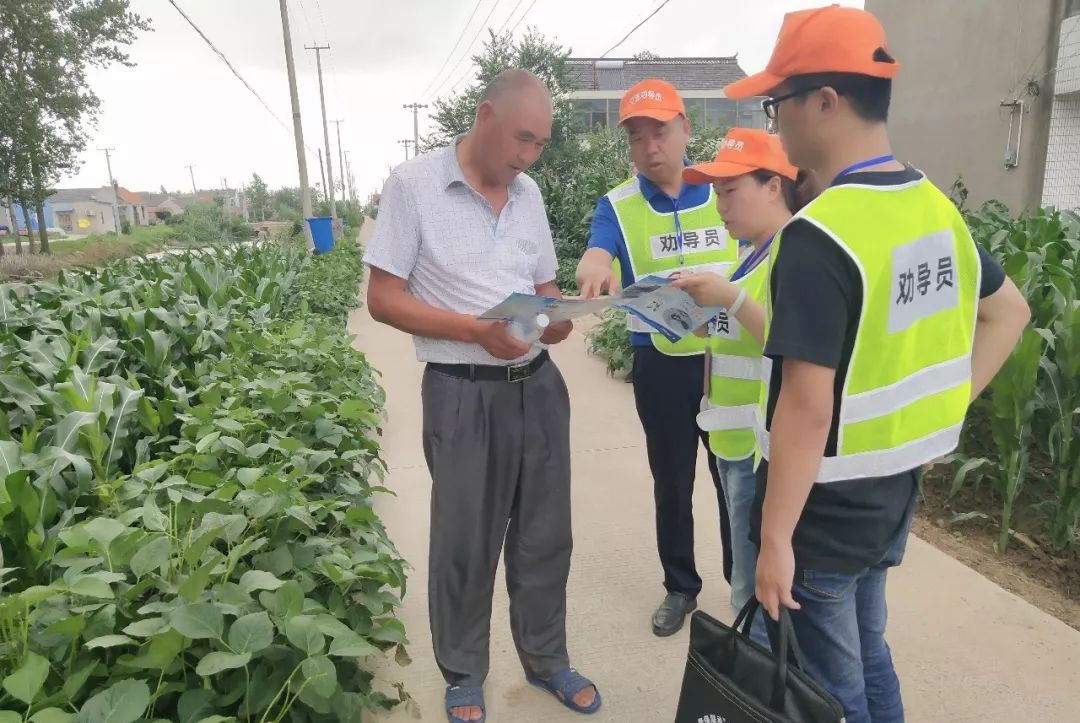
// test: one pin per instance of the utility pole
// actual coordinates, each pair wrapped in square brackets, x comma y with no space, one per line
[194,188]
[326,133]
[115,194]
[341,158]
[406,142]
[415,108]
[298,129]
[348,174]
[322,169]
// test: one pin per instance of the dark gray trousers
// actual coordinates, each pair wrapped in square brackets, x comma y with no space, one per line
[499,457]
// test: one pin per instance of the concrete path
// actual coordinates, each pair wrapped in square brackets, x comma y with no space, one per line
[966,649]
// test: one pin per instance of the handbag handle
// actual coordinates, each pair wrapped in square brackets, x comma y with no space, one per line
[787,645]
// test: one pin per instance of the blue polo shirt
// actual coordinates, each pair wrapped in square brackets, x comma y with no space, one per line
[607,235]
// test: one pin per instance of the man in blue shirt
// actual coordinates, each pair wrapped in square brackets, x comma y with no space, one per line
[656,224]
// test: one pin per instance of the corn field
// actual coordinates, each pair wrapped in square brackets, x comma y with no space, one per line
[1027,426]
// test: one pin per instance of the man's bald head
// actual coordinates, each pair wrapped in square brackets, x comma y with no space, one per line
[513,124]
[512,85]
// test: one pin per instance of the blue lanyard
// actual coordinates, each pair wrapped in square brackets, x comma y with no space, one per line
[864,164]
[678,232]
[751,262]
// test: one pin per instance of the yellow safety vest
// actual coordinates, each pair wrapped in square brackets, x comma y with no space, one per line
[735,377]
[652,245]
[908,384]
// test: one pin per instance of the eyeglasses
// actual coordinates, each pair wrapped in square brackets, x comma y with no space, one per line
[770,105]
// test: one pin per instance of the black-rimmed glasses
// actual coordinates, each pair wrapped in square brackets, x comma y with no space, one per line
[770,105]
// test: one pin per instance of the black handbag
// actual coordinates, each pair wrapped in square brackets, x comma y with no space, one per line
[731,679]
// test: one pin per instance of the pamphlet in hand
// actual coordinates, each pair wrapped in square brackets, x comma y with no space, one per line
[671,311]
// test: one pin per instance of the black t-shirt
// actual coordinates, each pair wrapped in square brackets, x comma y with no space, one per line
[817,292]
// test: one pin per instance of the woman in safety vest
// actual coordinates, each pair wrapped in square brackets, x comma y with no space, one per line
[755,195]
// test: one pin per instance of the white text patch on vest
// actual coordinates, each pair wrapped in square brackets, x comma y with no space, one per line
[726,326]
[666,245]
[923,280]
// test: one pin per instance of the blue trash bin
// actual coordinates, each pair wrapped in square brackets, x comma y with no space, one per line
[322,233]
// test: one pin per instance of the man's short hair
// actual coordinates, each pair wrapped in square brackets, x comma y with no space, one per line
[869,97]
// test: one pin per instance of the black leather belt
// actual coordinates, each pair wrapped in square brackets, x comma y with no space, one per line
[483,373]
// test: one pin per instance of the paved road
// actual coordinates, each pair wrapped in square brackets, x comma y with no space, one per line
[967,650]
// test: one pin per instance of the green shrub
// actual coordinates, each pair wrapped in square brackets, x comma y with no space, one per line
[611,340]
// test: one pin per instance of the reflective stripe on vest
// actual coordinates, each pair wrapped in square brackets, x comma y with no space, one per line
[735,376]
[652,247]
[907,386]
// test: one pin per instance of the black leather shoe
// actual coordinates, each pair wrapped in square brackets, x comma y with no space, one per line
[669,617]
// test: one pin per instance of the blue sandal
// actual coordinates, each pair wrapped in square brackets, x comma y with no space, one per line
[465,696]
[564,685]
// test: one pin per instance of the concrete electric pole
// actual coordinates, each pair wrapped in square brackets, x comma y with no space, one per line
[191,170]
[115,194]
[415,108]
[298,129]
[341,159]
[406,142]
[326,134]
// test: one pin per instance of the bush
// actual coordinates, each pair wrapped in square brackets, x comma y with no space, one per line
[187,524]
[611,340]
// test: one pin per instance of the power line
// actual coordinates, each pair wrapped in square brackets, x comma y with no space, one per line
[507,20]
[449,55]
[233,69]
[307,23]
[635,28]
[649,5]
[332,63]
[523,17]
[461,78]
[471,43]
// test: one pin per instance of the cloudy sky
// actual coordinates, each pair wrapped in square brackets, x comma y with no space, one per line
[181,105]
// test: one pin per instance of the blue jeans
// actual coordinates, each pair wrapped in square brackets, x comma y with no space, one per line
[737,479]
[841,631]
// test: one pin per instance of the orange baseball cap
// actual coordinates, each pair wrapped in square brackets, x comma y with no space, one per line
[656,99]
[822,40]
[742,151]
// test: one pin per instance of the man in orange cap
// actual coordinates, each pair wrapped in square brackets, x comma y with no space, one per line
[655,223]
[885,320]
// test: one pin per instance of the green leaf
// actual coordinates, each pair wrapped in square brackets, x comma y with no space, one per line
[10,458]
[7,716]
[66,433]
[25,683]
[152,556]
[214,663]
[390,631]
[146,627]
[195,704]
[352,646]
[92,587]
[303,633]
[321,675]
[251,633]
[197,621]
[123,702]
[288,600]
[259,580]
[206,442]
[353,409]
[104,530]
[109,641]
[153,518]
[51,715]
[229,425]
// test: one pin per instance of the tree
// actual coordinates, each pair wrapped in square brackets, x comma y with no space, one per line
[534,52]
[260,197]
[46,49]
